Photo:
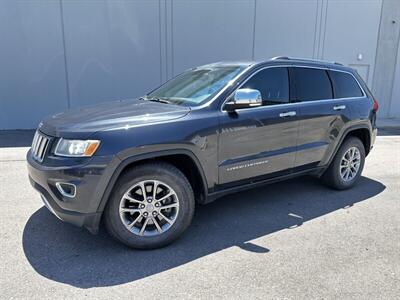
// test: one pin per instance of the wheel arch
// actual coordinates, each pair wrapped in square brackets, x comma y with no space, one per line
[362,131]
[364,135]
[182,159]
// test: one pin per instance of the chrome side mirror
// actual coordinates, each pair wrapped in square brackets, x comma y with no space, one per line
[244,98]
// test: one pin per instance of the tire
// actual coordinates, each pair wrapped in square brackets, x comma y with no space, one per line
[122,212]
[333,177]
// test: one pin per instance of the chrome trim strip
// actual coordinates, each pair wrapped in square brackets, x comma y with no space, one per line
[47,204]
[279,57]
[270,153]
[339,107]
[39,146]
[64,193]
[306,59]
[43,144]
[34,141]
[283,105]
[291,103]
[287,114]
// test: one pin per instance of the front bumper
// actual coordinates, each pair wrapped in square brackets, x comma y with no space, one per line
[90,221]
[90,179]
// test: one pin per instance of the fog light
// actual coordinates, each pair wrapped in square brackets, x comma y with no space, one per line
[66,189]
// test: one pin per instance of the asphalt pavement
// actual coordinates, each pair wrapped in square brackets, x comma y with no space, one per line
[290,240]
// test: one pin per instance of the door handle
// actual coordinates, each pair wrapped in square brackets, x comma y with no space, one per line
[339,107]
[287,114]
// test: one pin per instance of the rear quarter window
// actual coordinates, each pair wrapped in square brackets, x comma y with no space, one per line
[344,85]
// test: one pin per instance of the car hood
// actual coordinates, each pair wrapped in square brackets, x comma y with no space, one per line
[87,120]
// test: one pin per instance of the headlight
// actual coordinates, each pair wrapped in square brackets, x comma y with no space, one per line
[76,148]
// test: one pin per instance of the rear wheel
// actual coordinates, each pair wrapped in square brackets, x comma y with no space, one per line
[151,206]
[347,165]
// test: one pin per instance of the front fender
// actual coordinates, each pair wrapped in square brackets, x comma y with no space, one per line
[126,159]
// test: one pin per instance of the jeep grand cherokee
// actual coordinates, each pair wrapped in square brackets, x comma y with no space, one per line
[140,165]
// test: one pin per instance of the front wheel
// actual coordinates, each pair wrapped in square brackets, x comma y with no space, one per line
[347,165]
[151,206]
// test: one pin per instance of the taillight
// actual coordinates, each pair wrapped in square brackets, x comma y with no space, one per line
[376,106]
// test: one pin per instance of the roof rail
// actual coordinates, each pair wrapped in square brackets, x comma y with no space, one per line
[306,59]
[279,57]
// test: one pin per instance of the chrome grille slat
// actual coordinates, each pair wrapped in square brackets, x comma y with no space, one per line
[39,146]
[43,145]
[34,142]
[34,145]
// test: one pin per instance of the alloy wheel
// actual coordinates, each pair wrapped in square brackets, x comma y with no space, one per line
[350,164]
[149,208]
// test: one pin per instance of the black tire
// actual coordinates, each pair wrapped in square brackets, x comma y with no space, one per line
[332,176]
[165,173]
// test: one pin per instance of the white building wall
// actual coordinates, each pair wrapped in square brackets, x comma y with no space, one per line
[394,110]
[32,65]
[209,31]
[286,28]
[351,34]
[112,49]
[60,54]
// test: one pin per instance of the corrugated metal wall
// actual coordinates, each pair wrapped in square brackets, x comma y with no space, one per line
[60,54]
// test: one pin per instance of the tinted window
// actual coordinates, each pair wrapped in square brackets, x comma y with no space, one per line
[312,84]
[345,85]
[273,84]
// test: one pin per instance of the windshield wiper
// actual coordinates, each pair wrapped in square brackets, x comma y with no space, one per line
[155,99]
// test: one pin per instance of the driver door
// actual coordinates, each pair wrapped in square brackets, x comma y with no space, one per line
[260,141]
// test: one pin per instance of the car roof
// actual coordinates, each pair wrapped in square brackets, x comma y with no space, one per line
[304,60]
[282,60]
[228,64]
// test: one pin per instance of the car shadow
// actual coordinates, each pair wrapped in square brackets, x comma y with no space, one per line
[64,253]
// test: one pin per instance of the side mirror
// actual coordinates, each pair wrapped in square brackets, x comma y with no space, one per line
[244,98]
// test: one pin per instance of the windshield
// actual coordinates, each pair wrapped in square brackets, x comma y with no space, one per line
[196,86]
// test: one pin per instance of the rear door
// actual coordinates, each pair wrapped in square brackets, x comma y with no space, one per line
[321,116]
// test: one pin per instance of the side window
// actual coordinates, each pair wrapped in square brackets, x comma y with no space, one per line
[312,84]
[344,85]
[273,84]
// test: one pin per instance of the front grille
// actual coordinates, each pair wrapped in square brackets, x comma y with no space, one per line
[39,146]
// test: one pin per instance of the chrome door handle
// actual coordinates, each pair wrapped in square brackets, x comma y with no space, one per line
[287,114]
[339,107]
